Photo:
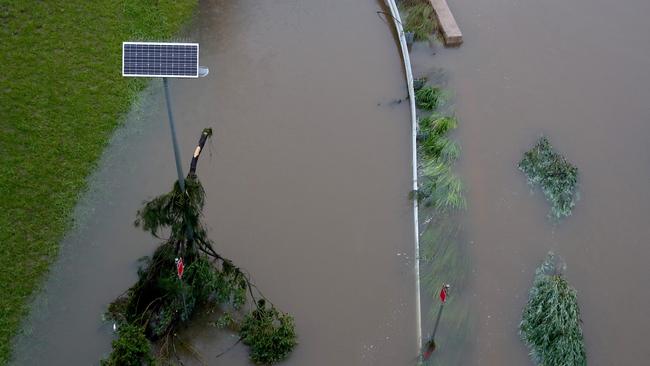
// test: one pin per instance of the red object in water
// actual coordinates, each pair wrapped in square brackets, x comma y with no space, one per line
[431,346]
[443,293]
[179,267]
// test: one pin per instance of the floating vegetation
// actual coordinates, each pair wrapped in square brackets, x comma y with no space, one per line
[269,333]
[550,324]
[131,348]
[183,275]
[420,19]
[428,98]
[557,177]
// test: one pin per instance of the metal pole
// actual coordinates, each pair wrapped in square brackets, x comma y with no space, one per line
[431,343]
[177,154]
[183,292]
[435,327]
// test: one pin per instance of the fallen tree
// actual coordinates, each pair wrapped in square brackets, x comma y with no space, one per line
[184,274]
[550,324]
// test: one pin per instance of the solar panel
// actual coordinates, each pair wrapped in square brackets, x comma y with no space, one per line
[155,59]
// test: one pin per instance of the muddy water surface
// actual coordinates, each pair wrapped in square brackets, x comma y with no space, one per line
[307,183]
[578,72]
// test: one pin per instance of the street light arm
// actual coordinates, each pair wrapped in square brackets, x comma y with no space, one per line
[207,132]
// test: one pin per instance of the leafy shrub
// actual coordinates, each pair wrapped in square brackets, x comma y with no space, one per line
[131,348]
[557,177]
[550,324]
[269,333]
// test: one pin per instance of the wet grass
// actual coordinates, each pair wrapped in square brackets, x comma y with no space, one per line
[61,96]
[420,18]
[440,192]
[444,259]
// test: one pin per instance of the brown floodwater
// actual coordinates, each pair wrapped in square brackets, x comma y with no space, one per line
[579,72]
[307,180]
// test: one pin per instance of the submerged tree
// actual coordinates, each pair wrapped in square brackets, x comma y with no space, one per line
[550,324]
[184,274]
[557,177]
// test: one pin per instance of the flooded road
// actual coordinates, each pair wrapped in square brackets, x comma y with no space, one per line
[578,72]
[307,181]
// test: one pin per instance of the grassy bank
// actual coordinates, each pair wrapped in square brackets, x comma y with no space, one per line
[61,96]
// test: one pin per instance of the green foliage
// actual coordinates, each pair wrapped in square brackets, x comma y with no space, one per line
[174,210]
[428,98]
[439,186]
[61,96]
[550,324]
[131,348]
[420,20]
[225,321]
[159,302]
[557,177]
[434,143]
[269,333]
[440,192]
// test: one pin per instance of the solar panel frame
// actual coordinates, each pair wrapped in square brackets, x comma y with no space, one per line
[194,68]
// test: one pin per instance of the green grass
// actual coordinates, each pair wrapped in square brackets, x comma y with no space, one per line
[419,19]
[61,96]
[444,259]
[439,186]
[442,254]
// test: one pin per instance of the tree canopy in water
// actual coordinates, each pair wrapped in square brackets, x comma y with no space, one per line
[550,324]
[162,300]
[557,177]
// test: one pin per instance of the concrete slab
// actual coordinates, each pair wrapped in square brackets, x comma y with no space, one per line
[450,31]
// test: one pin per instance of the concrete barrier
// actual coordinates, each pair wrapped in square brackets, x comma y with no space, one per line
[450,31]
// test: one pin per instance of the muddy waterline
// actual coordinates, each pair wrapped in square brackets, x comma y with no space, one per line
[307,183]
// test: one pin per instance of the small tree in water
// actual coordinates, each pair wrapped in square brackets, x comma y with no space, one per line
[162,299]
[557,177]
[550,324]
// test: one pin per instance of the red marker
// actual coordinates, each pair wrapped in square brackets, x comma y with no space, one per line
[443,293]
[179,267]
